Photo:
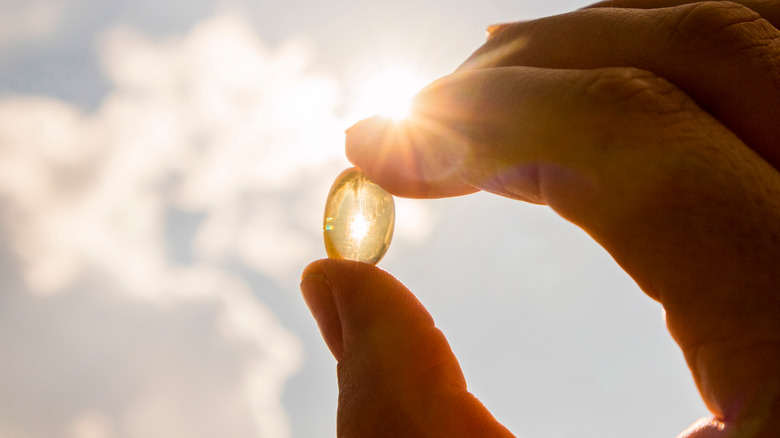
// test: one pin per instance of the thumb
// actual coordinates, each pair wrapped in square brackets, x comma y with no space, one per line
[397,374]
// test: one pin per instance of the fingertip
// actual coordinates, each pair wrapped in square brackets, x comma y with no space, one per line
[366,297]
[314,267]
[371,142]
[335,269]
[364,136]
[348,299]
[406,157]
[350,280]
[341,292]
[318,295]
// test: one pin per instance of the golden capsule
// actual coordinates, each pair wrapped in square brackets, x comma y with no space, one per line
[359,218]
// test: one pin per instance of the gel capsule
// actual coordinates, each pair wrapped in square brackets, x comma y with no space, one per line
[359,218]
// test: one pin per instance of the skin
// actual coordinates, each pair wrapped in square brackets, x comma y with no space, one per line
[652,125]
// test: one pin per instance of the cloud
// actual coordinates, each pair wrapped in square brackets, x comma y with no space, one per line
[138,326]
[213,123]
[28,20]
[94,362]
[134,341]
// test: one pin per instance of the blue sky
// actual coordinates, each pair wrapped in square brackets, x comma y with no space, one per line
[163,169]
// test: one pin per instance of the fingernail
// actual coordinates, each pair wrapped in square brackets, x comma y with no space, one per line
[495,29]
[318,297]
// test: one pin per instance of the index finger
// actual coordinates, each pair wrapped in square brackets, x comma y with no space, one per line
[724,55]
[767,8]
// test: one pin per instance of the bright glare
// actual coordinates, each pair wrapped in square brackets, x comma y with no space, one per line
[358,228]
[387,91]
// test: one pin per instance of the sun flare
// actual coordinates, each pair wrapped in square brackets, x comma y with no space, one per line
[386,91]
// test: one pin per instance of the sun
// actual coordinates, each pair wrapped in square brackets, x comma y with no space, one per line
[387,91]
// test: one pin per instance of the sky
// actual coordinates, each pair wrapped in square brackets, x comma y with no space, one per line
[163,170]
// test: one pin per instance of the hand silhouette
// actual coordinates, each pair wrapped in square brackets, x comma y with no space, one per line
[654,126]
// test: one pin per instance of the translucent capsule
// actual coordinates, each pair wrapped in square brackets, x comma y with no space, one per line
[359,218]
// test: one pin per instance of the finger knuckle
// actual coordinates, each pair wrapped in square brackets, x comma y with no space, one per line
[727,27]
[733,32]
[631,90]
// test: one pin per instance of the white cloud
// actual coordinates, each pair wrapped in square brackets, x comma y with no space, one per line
[214,123]
[91,425]
[93,361]
[28,20]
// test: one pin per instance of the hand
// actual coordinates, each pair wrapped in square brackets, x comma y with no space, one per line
[655,129]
